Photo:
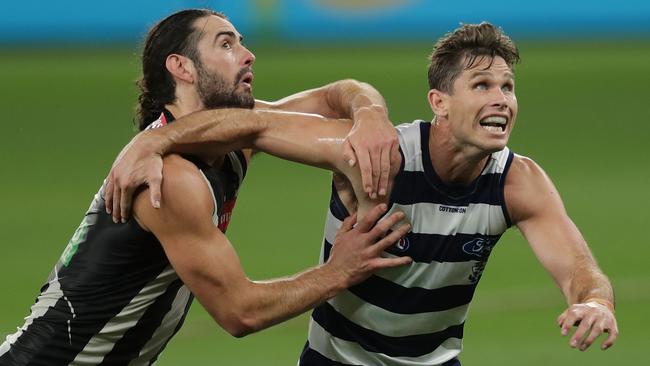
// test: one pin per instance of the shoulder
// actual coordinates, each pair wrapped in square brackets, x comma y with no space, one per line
[523,168]
[185,194]
[528,189]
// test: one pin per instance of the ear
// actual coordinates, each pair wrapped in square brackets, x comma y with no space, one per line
[438,101]
[181,68]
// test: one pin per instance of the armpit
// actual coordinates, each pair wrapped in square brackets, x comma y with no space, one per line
[345,191]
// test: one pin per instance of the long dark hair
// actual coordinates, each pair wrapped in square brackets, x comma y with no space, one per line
[174,34]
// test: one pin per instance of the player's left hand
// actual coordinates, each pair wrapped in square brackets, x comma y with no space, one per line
[139,163]
[373,144]
[592,319]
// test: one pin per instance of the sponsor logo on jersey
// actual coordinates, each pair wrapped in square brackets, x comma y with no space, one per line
[226,214]
[161,121]
[452,209]
[403,244]
[478,247]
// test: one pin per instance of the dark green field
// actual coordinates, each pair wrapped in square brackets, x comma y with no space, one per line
[584,116]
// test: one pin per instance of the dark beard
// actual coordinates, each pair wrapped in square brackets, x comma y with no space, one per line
[215,93]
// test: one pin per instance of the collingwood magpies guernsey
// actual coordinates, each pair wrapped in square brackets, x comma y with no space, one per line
[113,298]
[414,315]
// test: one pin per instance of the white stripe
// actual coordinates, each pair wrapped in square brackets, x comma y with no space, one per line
[215,212]
[479,218]
[104,341]
[166,330]
[410,143]
[429,276]
[45,301]
[497,163]
[391,324]
[349,352]
[236,166]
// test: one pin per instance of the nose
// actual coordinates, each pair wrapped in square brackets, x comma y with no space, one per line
[249,57]
[499,99]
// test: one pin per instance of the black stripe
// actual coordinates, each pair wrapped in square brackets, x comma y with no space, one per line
[128,348]
[178,327]
[414,187]
[337,208]
[309,357]
[406,346]
[411,300]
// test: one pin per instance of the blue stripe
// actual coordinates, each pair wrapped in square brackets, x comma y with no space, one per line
[309,357]
[407,346]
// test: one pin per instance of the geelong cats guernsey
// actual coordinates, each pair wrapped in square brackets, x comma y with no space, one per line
[414,315]
[113,298]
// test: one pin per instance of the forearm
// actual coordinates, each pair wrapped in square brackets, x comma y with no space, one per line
[588,283]
[340,99]
[349,97]
[214,132]
[256,305]
[271,302]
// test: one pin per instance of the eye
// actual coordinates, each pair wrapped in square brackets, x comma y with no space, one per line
[481,85]
[226,45]
[508,87]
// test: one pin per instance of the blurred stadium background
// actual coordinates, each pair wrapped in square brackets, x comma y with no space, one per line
[67,70]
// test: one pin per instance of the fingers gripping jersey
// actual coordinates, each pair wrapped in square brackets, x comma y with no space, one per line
[113,297]
[414,315]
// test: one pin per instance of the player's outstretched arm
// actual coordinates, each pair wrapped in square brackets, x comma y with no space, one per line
[209,266]
[537,209]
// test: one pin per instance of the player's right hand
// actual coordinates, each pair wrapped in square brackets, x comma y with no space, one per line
[139,163]
[357,250]
[373,145]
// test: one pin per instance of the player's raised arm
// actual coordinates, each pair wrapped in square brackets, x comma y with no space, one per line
[537,210]
[209,266]
[372,141]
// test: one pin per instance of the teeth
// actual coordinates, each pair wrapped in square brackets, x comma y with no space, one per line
[494,119]
[492,128]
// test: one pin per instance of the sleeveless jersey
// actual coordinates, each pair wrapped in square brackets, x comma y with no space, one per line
[414,315]
[113,297]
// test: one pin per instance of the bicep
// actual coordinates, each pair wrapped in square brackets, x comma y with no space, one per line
[308,101]
[199,252]
[538,212]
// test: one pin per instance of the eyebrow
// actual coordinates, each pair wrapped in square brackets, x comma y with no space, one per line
[228,33]
[509,75]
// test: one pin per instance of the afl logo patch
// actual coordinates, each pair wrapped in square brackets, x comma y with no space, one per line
[403,244]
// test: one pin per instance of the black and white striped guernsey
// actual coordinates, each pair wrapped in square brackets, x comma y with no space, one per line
[414,315]
[113,298]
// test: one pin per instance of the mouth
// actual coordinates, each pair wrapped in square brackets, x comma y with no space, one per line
[494,123]
[247,80]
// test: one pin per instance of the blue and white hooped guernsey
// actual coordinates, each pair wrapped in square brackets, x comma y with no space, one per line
[414,315]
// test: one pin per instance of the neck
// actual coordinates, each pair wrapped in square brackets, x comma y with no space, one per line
[187,101]
[185,104]
[453,161]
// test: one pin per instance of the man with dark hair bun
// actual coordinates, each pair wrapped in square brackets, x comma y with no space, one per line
[120,291]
